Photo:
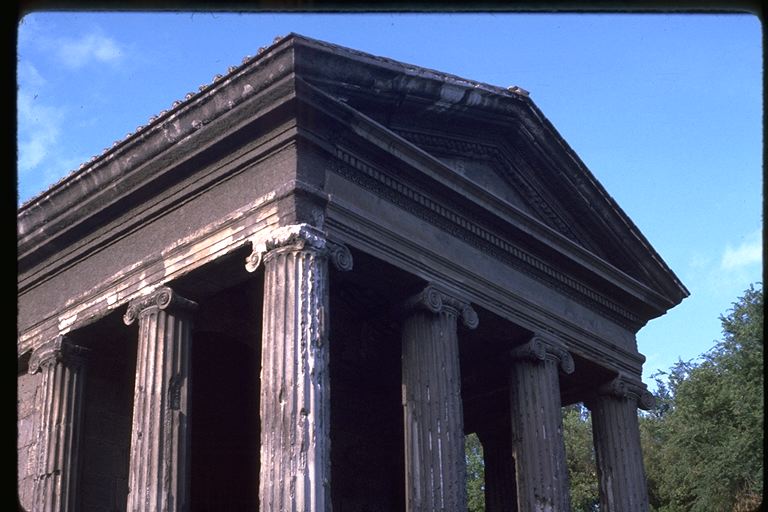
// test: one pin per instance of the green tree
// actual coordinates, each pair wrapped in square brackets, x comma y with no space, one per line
[704,441]
[580,456]
[653,437]
[475,474]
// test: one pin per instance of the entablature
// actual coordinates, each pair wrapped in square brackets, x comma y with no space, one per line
[395,169]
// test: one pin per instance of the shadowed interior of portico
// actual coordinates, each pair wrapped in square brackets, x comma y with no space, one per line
[366,405]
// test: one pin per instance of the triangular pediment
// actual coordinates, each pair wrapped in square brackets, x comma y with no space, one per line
[488,138]
[498,139]
[504,172]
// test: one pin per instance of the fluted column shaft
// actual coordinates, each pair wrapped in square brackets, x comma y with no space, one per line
[295,388]
[500,486]
[431,383]
[159,471]
[537,427]
[59,401]
[617,446]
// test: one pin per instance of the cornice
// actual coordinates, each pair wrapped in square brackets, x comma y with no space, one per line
[428,92]
[254,88]
[430,167]
[454,89]
[561,156]
[229,93]
[112,231]
[363,233]
[462,227]
[178,258]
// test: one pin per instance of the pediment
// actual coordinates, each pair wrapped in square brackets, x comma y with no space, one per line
[523,161]
[495,138]
[498,138]
[506,172]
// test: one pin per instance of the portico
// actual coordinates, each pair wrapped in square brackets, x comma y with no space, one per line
[292,293]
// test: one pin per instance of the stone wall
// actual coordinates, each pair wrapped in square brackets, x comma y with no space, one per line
[27,420]
[106,436]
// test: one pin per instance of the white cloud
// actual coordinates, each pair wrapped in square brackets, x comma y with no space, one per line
[750,251]
[42,157]
[95,47]
[29,77]
[39,130]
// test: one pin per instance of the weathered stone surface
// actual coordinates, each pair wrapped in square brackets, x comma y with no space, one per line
[617,445]
[434,429]
[27,418]
[537,429]
[295,388]
[26,388]
[59,402]
[159,465]
[444,179]
[26,431]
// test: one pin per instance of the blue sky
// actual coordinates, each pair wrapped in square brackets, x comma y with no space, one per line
[665,110]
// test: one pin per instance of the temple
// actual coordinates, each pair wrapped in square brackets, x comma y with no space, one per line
[300,287]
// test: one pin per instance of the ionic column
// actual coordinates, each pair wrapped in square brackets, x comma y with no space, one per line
[537,426]
[617,444]
[500,486]
[434,425]
[158,477]
[295,405]
[59,401]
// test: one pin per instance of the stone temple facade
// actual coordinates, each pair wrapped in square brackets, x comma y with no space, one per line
[299,288]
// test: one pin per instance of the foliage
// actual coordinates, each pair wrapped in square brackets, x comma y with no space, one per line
[580,456]
[475,473]
[703,440]
[703,443]
[582,472]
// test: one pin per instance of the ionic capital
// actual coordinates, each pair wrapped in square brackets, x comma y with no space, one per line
[162,298]
[298,237]
[55,350]
[540,348]
[340,256]
[624,387]
[437,301]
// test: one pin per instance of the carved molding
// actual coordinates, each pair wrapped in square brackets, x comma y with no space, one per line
[340,256]
[496,156]
[539,349]
[162,298]
[298,237]
[55,350]
[456,146]
[624,387]
[461,227]
[437,301]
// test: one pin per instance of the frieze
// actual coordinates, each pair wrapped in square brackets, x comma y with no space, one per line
[461,227]
[457,146]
